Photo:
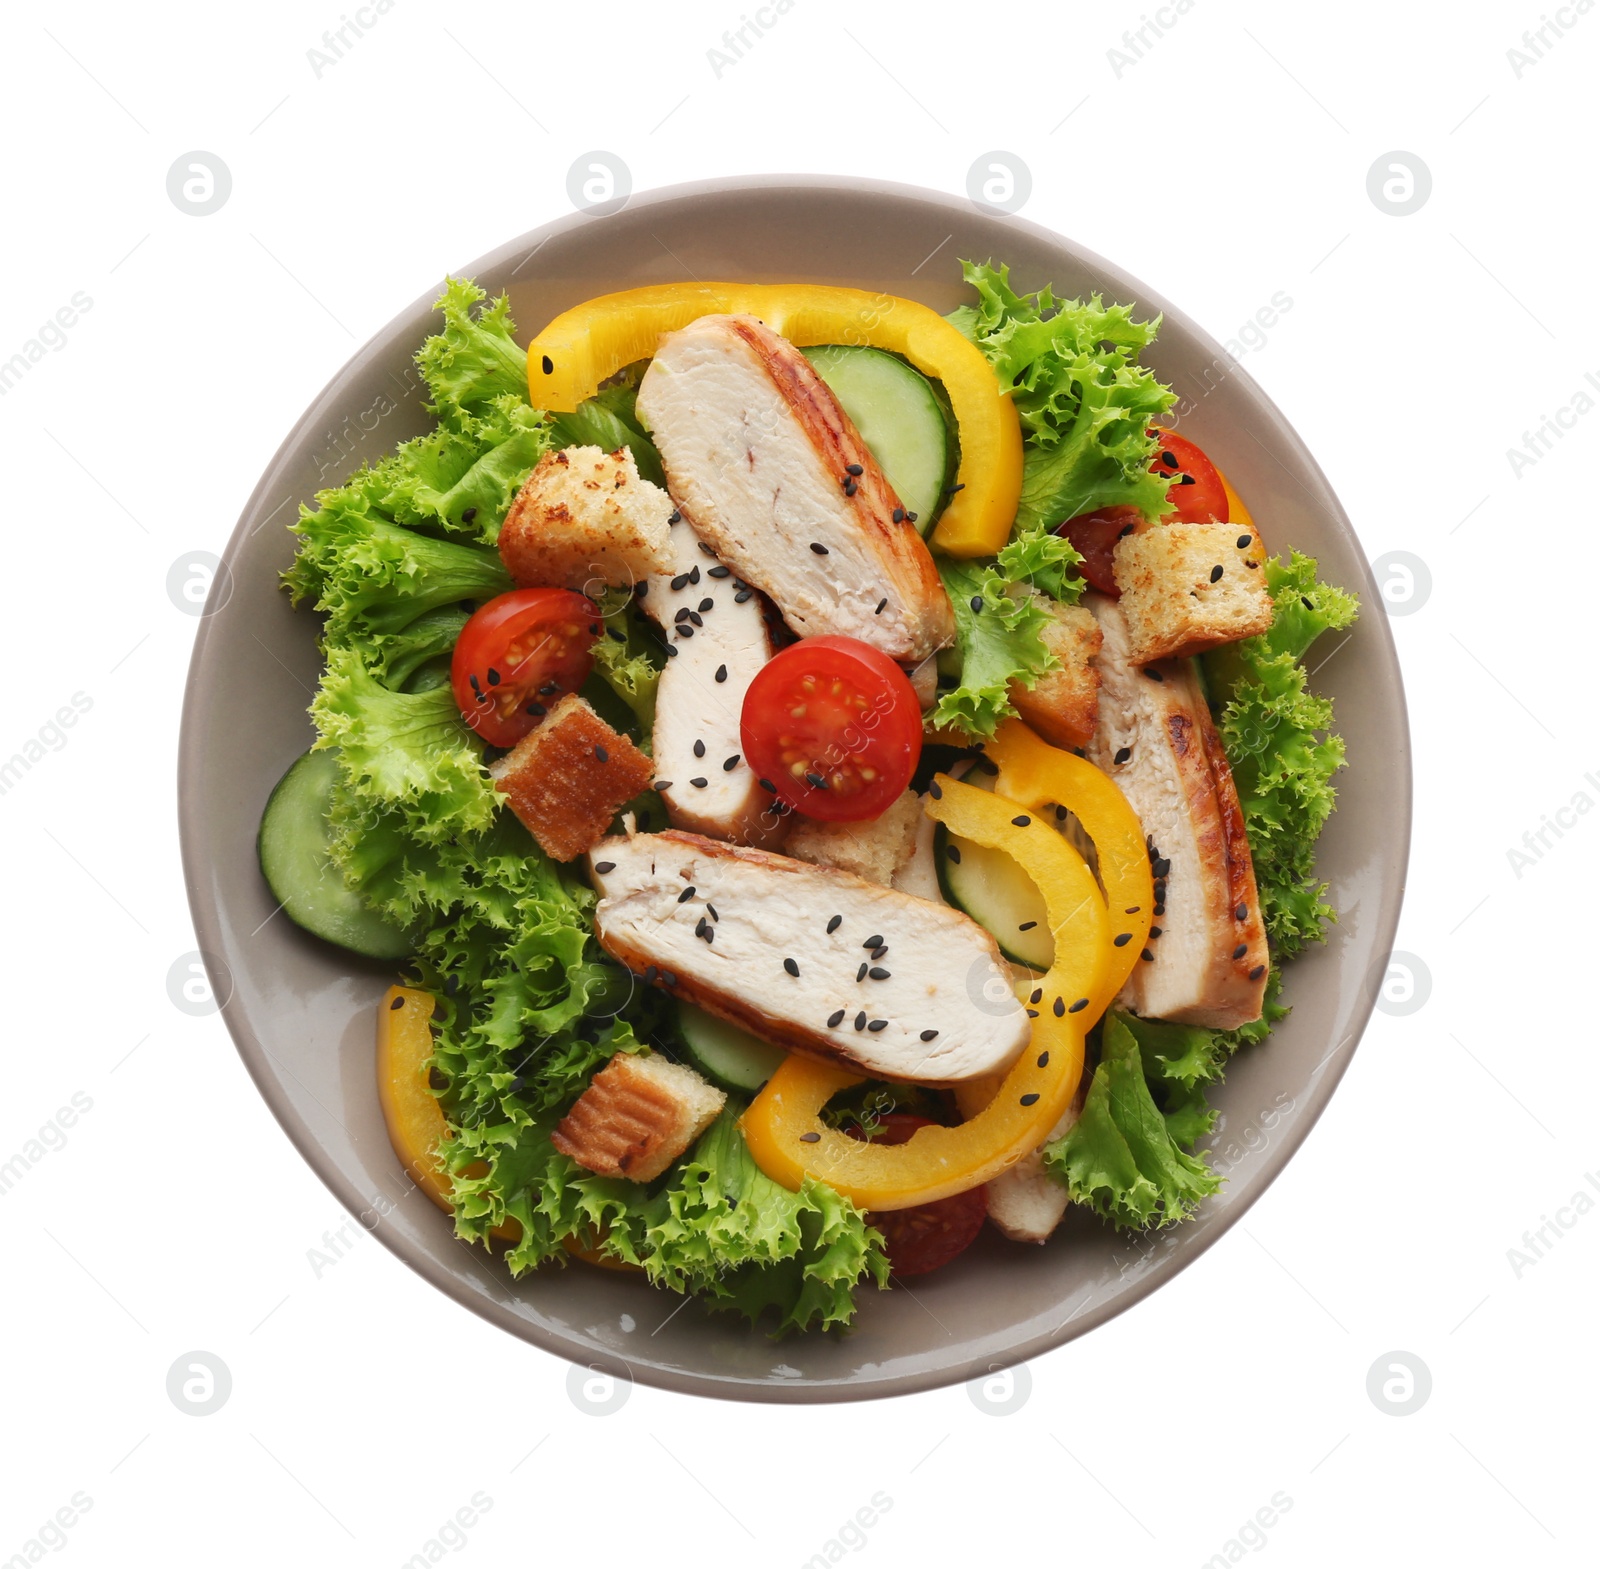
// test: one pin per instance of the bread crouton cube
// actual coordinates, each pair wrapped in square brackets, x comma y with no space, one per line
[1061,705]
[1187,587]
[875,849]
[567,779]
[638,1115]
[585,519]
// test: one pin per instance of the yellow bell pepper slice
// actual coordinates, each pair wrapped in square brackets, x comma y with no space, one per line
[411,1111]
[783,1127]
[583,346]
[1038,776]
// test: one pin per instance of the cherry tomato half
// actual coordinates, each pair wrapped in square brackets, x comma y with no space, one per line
[834,727]
[926,1236]
[1197,493]
[519,654]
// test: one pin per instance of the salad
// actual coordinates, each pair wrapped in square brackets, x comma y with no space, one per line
[833,778]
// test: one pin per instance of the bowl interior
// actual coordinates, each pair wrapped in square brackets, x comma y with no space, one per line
[302,1013]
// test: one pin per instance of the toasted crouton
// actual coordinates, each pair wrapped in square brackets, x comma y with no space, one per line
[1187,587]
[568,779]
[584,519]
[639,1114]
[875,850]
[1062,705]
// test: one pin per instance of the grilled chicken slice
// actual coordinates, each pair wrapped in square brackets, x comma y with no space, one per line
[897,988]
[768,468]
[717,639]
[1154,736]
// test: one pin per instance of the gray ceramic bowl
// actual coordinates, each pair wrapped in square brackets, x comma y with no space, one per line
[302,1013]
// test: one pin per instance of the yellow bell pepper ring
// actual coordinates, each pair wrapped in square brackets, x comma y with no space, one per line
[583,346]
[1039,776]
[411,1111]
[783,1126]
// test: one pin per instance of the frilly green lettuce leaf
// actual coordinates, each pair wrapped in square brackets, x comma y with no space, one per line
[473,359]
[408,752]
[998,639]
[1085,402]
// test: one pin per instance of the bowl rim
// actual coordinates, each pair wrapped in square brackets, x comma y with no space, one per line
[205,912]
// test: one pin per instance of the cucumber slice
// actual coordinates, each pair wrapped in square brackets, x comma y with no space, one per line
[994,890]
[293,847]
[731,1058]
[899,416]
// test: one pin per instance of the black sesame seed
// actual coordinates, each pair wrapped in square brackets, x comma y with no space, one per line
[662,784]
[1242,913]
[1061,814]
[861,1021]
[1122,939]
[1021,822]
[818,549]
[977,602]
[694,616]
[1155,931]
[616,636]
[686,895]
[722,673]
[601,755]
[399,1002]
[683,629]
[472,681]
[791,966]
[1168,459]
[1042,1060]
[719,572]
[602,867]
[549,689]
[873,942]
[706,604]
[650,973]
[1188,479]
[709,932]
[854,468]
[711,910]
[1132,909]
[1153,673]
[699,784]
[538,710]
[1123,754]
[742,595]
[1059,1007]
[934,790]
[1147,956]
[881,604]
[699,749]
[1160,868]
[1078,1006]
[1241,950]
[641,588]
[544,360]
[810,1138]
[1033,1013]
[1029,1099]
[1258,972]
[700,927]
[878,973]
[682,615]
[861,974]
[768,786]
[1037,994]
[679,581]
[1242,542]
[707,550]
[816,781]
[1124,531]
[1027,926]
[953,852]
[494,677]
[899,514]
[911,517]
[1216,573]
[929,1035]
[878,1024]
[694,574]
[835,1019]
[850,487]
[668,978]
[880,950]
[677,517]
[835,923]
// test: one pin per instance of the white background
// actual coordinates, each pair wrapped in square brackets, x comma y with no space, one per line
[1228,163]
